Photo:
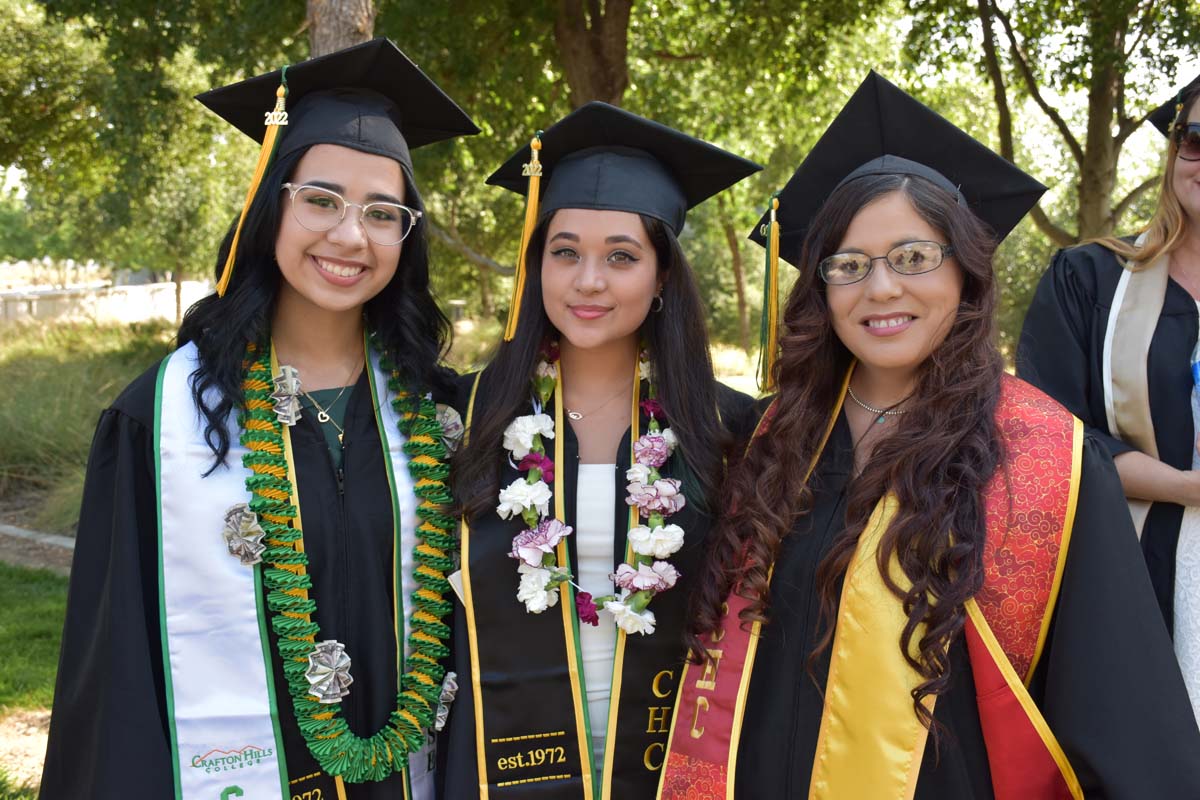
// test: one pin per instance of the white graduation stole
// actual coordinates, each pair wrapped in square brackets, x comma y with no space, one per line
[1136,306]
[221,696]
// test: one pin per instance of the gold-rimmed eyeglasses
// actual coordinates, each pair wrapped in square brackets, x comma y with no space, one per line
[319,209]
[910,258]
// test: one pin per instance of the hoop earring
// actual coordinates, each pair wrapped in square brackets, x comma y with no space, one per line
[659,308]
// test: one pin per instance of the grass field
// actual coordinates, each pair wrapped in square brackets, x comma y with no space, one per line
[54,381]
[32,605]
[11,791]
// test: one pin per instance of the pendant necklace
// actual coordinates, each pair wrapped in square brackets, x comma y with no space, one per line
[881,414]
[323,415]
[578,415]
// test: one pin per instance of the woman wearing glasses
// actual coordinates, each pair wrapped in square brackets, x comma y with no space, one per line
[922,585]
[259,586]
[1112,335]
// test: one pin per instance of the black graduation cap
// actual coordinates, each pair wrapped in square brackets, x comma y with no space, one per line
[369,97]
[1164,116]
[603,157]
[883,130]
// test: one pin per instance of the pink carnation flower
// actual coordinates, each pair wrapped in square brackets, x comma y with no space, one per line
[652,450]
[663,496]
[529,546]
[646,578]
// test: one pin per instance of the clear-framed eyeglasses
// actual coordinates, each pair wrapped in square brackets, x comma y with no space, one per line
[910,258]
[318,209]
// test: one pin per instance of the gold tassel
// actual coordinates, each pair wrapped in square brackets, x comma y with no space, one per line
[275,120]
[769,339]
[533,170]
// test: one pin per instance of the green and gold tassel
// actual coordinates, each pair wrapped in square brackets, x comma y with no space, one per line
[532,170]
[769,331]
[266,155]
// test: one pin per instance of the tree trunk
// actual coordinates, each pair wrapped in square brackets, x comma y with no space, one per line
[739,276]
[1098,172]
[592,38]
[334,24]
[177,277]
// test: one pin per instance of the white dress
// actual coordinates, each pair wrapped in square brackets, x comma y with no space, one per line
[594,520]
[1187,591]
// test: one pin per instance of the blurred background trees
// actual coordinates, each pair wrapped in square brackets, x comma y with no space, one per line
[111,159]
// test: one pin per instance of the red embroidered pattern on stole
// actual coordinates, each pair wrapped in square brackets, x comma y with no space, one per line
[693,779]
[1026,505]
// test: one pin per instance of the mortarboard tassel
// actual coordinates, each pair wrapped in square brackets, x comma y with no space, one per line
[275,120]
[533,170]
[769,332]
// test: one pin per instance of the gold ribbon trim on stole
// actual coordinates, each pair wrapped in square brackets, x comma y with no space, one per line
[469,607]
[685,771]
[871,741]
[566,601]
[614,700]
[1015,684]
[1128,343]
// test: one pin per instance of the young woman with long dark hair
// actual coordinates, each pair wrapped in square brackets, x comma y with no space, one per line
[591,468]
[1112,334]
[256,600]
[921,587]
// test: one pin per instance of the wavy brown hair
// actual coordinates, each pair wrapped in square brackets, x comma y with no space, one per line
[937,459]
[1166,230]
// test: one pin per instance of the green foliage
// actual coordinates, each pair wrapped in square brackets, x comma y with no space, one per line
[54,381]
[33,604]
[11,791]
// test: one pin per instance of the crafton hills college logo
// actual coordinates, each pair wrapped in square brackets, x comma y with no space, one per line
[218,760]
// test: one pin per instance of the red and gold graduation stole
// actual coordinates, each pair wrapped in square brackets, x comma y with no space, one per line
[1030,508]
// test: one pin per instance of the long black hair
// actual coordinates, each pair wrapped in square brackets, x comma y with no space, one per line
[404,319]
[677,340]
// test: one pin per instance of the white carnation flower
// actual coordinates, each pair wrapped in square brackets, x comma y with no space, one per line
[520,495]
[532,591]
[660,542]
[547,370]
[518,436]
[645,370]
[668,435]
[638,473]
[629,620]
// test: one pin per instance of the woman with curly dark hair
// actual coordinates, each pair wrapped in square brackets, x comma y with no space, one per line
[924,563]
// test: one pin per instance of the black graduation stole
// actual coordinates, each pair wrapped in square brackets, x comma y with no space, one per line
[532,734]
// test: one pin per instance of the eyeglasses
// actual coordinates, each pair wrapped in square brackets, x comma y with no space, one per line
[320,210]
[1187,141]
[910,258]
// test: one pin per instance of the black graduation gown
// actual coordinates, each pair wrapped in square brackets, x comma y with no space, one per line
[663,649]
[1108,683]
[1061,352]
[109,734]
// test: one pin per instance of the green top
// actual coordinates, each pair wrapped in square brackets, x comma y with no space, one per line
[335,402]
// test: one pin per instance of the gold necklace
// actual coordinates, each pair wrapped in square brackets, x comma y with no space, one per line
[323,414]
[578,415]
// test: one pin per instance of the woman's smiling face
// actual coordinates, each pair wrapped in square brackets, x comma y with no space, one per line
[599,275]
[887,320]
[339,269]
